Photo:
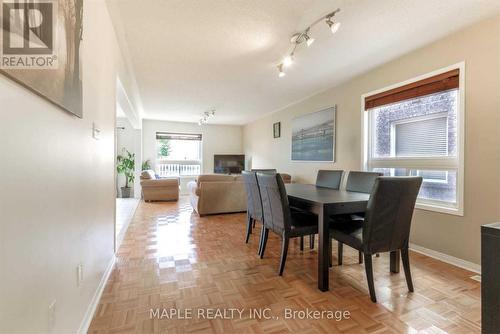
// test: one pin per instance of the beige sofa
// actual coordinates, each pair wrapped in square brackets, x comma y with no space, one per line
[154,189]
[217,193]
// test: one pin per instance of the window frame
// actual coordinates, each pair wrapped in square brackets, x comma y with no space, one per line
[430,163]
[159,160]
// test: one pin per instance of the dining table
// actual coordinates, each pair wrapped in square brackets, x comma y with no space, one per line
[326,203]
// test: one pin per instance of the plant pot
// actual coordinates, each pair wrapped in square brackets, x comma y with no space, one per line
[126,192]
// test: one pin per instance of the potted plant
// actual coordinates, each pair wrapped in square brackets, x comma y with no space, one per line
[126,166]
[146,165]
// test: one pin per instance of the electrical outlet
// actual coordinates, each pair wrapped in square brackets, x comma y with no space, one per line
[52,315]
[79,275]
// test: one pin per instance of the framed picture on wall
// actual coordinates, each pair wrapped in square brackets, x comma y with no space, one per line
[277,129]
[313,136]
[45,59]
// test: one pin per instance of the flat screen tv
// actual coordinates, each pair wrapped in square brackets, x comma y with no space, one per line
[229,163]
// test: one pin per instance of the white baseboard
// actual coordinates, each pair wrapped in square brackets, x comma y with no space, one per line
[447,258]
[87,319]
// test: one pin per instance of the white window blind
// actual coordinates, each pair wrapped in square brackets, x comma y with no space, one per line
[425,137]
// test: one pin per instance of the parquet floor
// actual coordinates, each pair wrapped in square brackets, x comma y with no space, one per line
[171,259]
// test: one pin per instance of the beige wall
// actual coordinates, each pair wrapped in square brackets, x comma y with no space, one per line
[479,47]
[57,198]
[216,139]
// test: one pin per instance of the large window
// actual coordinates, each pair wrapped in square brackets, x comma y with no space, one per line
[178,154]
[414,129]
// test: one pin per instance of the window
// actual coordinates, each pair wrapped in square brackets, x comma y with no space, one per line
[178,154]
[414,129]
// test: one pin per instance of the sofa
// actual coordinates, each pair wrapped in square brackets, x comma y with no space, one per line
[219,193]
[159,189]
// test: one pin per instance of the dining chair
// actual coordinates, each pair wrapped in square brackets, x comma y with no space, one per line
[254,202]
[278,217]
[271,170]
[325,179]
[361,182]
[329,178]
[386,225]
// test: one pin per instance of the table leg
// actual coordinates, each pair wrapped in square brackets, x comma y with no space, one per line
[323,249]
[395,255]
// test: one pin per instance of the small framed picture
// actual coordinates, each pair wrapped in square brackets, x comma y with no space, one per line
[277,130]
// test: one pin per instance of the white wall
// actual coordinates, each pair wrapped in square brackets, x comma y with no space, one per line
[479,47]
[130,139]
[216,139]
[58,189]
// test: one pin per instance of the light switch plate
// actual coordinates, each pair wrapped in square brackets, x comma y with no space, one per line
[96,132]
[79,275]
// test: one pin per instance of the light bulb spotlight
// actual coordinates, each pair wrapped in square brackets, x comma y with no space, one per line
[288,60]
[281,73]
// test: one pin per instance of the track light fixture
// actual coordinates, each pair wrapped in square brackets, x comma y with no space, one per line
[288,60]
[206,116]
[304,36]
[334,26]
[281,72]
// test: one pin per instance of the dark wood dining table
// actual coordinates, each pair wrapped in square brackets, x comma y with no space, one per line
[326,202]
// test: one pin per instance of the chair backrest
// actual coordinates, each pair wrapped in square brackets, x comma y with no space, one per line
[361,182]
[271,171]
[274,202]
[389,213]
[254,201]
[329,178]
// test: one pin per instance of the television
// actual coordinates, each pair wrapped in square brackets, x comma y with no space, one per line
[229,163]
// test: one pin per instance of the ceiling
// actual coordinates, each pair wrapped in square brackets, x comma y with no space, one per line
[188,56]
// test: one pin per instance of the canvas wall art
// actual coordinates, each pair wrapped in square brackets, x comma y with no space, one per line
[313,136]
[40,49]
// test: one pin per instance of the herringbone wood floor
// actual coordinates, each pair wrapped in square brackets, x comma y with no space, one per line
[173,259]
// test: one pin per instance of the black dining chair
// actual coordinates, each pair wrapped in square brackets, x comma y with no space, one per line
[254,202]
[386,225]
[361,182]
[278,217]
[329,178]
[270,170]
[325,179]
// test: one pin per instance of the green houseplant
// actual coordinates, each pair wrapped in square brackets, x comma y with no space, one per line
[126,166]
[146,165]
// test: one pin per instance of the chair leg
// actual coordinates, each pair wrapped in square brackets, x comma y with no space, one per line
[261,239]
[311,241]
[284,251]
[369,276]
[301,243]
[340,253]
[249,228]
[264,242]
[360,257]
[406,266]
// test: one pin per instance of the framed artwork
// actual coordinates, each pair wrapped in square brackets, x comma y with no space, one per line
[313,136]
[42,53]
[277,129]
